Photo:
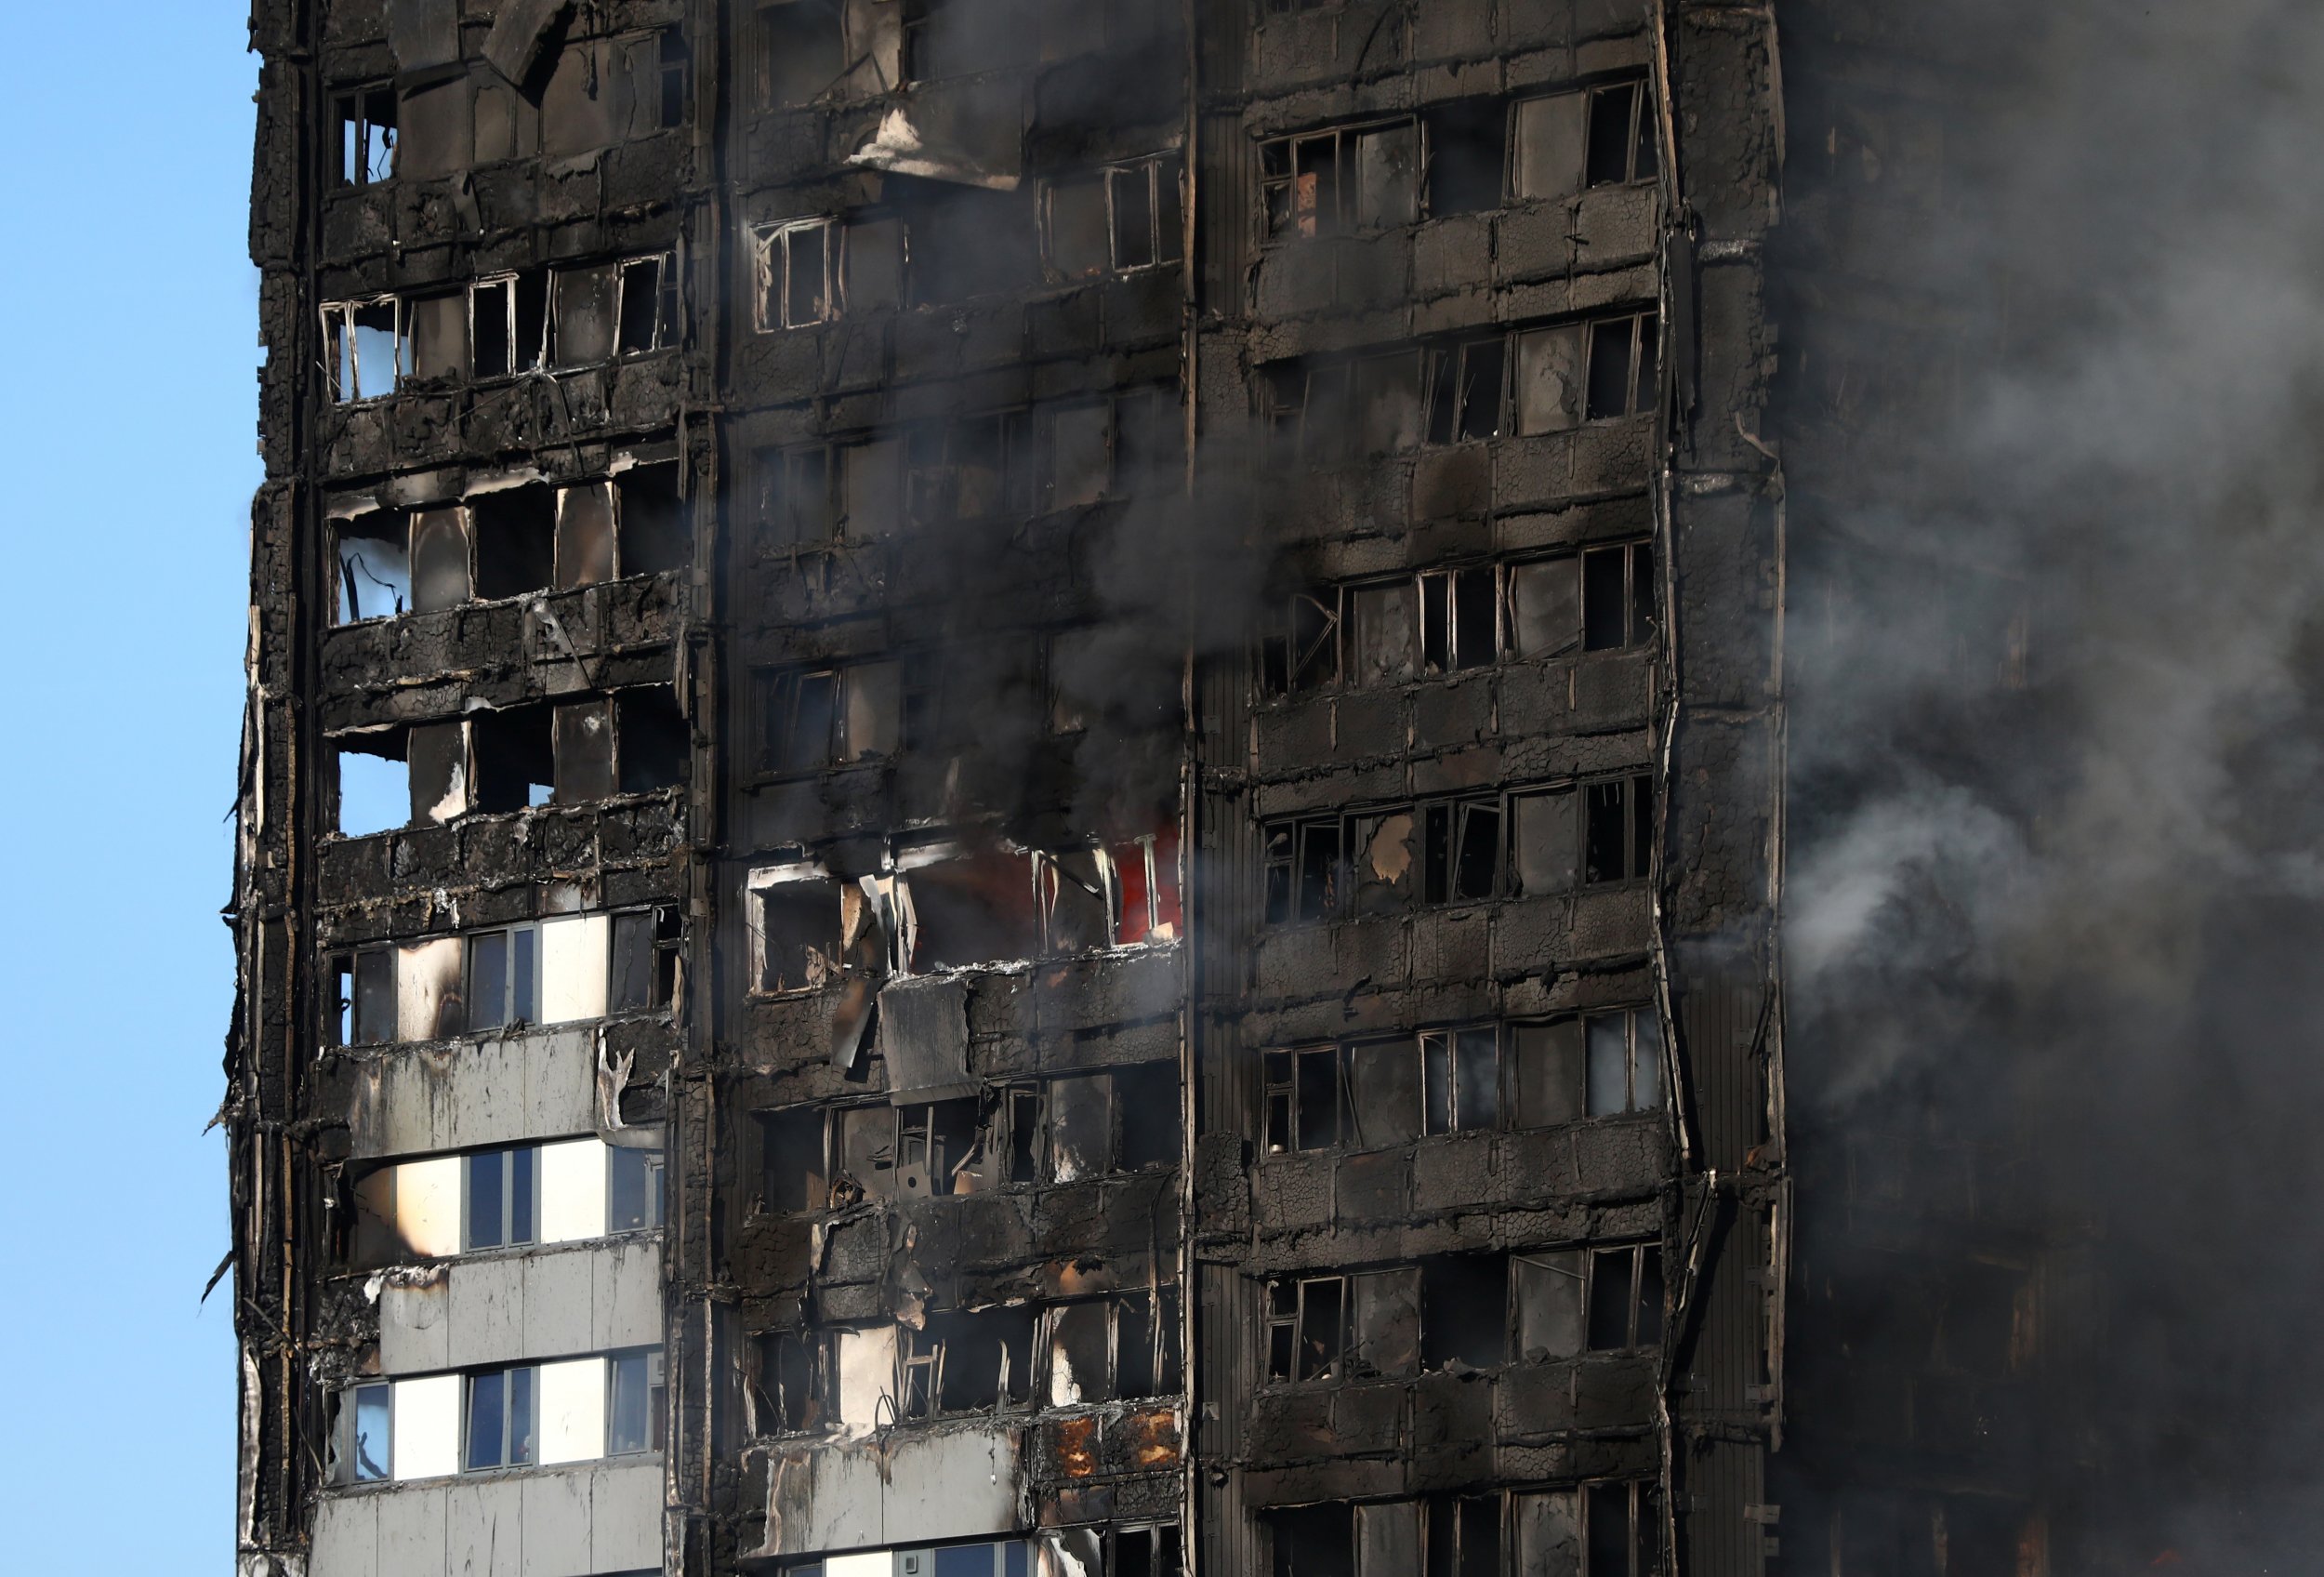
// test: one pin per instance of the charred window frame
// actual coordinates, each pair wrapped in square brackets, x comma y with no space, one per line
[793,1388]
[366,121]
[1305,1089]
[797,916]
[1622,145]
[974,469]
[798,271]
[965,1364]
[1618,829]
[366,347]
[1305,868]
[1307,1328]
[1623,1071]
[1603,599]
[508,325]
[1609,1527]
[1121,1347]
[1123,218]
[1625,370]
[646,305]
[798,500]
[671,64]
[798,51]
[1437,392]
[1299,643]
[1341,179]
[814,719]
[1153,1549]
[1625,1298]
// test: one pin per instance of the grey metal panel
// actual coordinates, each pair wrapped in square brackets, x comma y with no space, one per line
[487,1311]
[959,1484]
[484,1530]
[415,1327]
[626,1517]
[411,1530]
[556,1519]
[626,1293]
[346,1537]
[541,1084]
[559,1293]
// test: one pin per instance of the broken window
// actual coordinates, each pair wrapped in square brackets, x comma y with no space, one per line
[374,570]
[1624,367]
[798,930]
[1622,1529]
[1465,1311]
[969,470]
[364,348]
[1547,389]
[635,1402]
[1306,1327]
[583,311]
[644,970]
[972,909]
[1618,837]
[1464,383]
[375,785]
[1625,1061]
[801,51]
[1385,398]
[1346,179]
[647,307]
[366,122]
[1545,854]
[582,733]
[1467,155]
[1460,1079]
[1145,888]
[509,324]
[1549,138]
[871,264]
[500,1419]
[1461,850]
[1546,1293]
[1307,1099]
[1149,1551]
[1300,644]
[1076,906]
[968,242]
[1117,1348]
[436,327]
[1464,1538]
[1625,1297]
[793,1169]
[584,536]
[818,718]
[1308,413]
[1621,134]
[653,534]
[1118,219]
[871,496]
[1304,868]
[1546,1073]
[794,1382]
[966,1361]
[1458,627]
[798,267]
[1312,1540]
[1080,455]
[946,38]
[797,505]
[1618,597]
[1544,610]
[441,568]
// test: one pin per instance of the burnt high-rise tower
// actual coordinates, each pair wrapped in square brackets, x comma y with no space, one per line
[1014,800]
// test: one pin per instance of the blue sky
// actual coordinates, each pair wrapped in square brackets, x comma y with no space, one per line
[130,312]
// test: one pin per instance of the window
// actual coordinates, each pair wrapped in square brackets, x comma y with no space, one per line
[799,916]
[1010,1558]
[1600,601]
[1623,367]
[366,122]
[1625,1297]
[1373,862]
[792,1389]
[1344,178]
[1116,221]
[1118,1348]
[1468,155]
[1574,373]
[815,719]
[1621,134]
[966,1361]
[1464,383]
[365,347]
[1300,644]
[800,53]
[1442,391]
[648,309]
[1601,1529]
[1625,1061]
[798,503]
[1306,1327]
[1101,449]
[500,1419]
[968,469]
[1618,838]
[439,986]
[508,324]
[798,267]
[502,1186]
[368,1412]
[636,1398]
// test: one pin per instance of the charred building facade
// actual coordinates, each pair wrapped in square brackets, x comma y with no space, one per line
[1013,796]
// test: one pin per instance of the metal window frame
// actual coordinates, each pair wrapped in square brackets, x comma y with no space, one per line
[656,1375]
[339,330]
[1342,137]
[507,1417]
[506,1155]
[772,263]
[349,106]
[1296,1322]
